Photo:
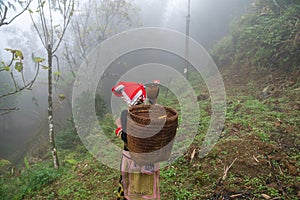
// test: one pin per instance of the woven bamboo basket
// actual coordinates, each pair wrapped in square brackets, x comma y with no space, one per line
[150,133]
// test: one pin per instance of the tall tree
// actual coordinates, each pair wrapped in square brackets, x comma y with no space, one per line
[54,17]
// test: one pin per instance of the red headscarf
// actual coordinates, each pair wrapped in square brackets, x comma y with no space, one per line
[131,92]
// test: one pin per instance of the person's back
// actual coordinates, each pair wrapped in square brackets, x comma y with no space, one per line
[136,182]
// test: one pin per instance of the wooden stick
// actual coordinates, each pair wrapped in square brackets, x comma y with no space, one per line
[226,169]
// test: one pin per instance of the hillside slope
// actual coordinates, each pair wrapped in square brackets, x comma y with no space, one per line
[258,153]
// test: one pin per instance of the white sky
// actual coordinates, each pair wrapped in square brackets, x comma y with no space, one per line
[23,22]
[174,7]
[158,13]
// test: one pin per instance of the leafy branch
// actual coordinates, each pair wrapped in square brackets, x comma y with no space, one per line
[17,61]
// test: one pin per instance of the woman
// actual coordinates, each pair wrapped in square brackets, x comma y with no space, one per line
[136,182]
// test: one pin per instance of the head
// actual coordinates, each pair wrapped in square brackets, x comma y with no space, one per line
[132,93]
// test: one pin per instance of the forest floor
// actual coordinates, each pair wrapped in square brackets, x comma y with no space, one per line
[256,157]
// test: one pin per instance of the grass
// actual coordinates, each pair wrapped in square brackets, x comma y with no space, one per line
[263,136]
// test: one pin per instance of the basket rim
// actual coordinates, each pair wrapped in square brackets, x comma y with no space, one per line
[148,106]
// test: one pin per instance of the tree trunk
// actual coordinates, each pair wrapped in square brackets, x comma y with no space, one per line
[50,109]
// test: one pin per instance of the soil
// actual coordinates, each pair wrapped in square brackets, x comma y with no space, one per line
[240,157]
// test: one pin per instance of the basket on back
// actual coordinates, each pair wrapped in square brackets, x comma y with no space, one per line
[150,132]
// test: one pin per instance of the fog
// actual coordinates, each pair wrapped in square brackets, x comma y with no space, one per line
[26,130]
[209,19]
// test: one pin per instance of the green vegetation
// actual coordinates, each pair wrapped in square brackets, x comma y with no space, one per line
[257,155]
[267,162]
[266,37]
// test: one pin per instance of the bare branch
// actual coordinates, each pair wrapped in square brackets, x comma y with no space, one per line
[70,58]
[44,23]
[23,78]
[65,26]
[14,81]
[4,16]
[226,169]
[17,15]
[58,68]
[4,111]
[38,32]
[20,12]
[19,89]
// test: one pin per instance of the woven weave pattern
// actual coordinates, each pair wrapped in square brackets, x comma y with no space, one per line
[150,132]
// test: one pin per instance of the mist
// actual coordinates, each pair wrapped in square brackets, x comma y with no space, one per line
[210,20]
[24,130]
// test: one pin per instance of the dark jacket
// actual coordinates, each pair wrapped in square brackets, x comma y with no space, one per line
[124,128]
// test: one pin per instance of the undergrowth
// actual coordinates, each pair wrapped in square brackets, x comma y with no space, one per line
[261,122]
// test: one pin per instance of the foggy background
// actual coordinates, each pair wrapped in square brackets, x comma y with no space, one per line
[26,129]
